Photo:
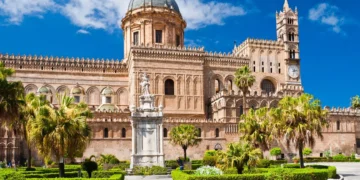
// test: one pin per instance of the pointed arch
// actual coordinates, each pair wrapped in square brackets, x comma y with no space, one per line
[93,96]
[263,104]
[253,104]
[30,88]
[122,97]
[63,90]
[274,104]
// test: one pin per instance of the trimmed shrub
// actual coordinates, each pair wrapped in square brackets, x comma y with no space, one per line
[209,160]
[332,172]
[230,171]
[122,166]
[195,166]
[275,151]
[89,167]
[291,165]
[197,162]
[30,169]
[172,164]
[307,151]
[179,175]
[154,170]
[340,158]
[263,163]
[114,161]
[15,176]
[210,153]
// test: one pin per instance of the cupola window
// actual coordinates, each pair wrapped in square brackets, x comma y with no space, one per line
[136,38]
[158,36]
[177,40]
[108,100]
[76,99]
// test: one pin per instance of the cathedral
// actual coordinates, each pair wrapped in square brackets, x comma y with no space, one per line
[192,85]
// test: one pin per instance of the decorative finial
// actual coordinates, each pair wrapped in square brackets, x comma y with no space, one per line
[286,5]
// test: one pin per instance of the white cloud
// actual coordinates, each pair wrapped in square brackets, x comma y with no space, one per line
[106,14]
[327,14]
[199,14]
[82,31]
[15,10]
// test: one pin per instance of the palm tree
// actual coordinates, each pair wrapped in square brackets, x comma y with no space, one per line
[255,128]
[54,130]
[301,118]
[184,136]
[244,80]
[355,102]
[5,72]
[241,154]
[28,113]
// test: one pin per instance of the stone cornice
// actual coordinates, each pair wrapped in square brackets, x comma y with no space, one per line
[343,111]
[63,64]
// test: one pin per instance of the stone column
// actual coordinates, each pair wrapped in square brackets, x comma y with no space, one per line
[161,138]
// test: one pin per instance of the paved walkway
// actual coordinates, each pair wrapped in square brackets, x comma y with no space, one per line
[350,171]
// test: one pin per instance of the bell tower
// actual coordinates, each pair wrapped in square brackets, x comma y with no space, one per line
[287,28]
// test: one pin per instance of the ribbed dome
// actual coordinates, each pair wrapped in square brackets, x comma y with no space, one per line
[134,4]
[43,90]
[107,91]
[77,90]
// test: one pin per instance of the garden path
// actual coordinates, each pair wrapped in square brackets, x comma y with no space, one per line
[350,171]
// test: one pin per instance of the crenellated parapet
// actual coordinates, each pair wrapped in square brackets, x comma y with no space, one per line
[258,43]
[50,63]
[192,121]
[343,111]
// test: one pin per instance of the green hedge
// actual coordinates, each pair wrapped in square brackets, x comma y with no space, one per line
[209,160]
[337,158]
[197,162]
[179,175]
[171,164]
[114,177]
[103,174]
[195,166]
[278,162]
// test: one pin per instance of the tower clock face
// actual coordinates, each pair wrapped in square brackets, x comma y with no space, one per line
[294,71]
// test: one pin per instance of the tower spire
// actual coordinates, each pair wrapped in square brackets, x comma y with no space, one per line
[286,5]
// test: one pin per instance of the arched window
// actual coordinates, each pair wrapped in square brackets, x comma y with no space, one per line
[267,86]
[217,132]
[241,110]
[106,133]
[165,133]
[230,85]
[217,86]
[199,132]
[292,54]
[218,147]
[123,133]
[169,87]
[338,125]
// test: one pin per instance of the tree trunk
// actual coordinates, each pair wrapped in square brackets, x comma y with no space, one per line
[29,158]
[301,157]
[61,167]
[244,101]
[89,174]
[239,168]
[184,148]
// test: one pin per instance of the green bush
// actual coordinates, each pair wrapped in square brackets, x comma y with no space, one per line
[123,166]
[2,164]
[113,177]
[263,163]
[114,161]
[307,151]
[230,171]
[291,165]
[197,162]
[171,164]
[187,159]
[340,158]
[332,172]
[89,167]
[209,160]
[30,169]
[179,175]
[15,176]
[280,174]
[154,170]
[210,153]
[278,162]
[275,151]
[195,166]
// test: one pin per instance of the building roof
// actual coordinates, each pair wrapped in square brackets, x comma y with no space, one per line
[134,4]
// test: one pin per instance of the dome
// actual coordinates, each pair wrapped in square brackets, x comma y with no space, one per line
[107,91]
[77,90]
[43,90]
[134,4]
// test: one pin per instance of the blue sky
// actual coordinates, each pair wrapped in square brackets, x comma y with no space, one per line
[88,28]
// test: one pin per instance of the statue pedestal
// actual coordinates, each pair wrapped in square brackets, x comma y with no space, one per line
[147,136]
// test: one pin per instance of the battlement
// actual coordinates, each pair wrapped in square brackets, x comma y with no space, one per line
[258,42]
[343,111]
[62,63]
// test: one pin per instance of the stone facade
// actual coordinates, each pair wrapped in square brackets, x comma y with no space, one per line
[193,85]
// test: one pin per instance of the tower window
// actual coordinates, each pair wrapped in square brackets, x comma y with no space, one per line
[177,40]
[262,69]
[165,133]
[106,133]
[199,132]
[271,64]
[217,86]
[291,37]
[254,69]
[217,132]
[158,34]
[271,70]
[123,133]
[279,70]
[262,63]
[254,62]
[108,100]
[338,125]
[136,38]
[292,54]
[241,110]
[169,87]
